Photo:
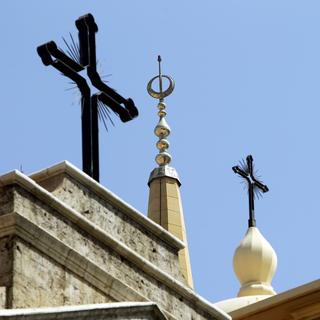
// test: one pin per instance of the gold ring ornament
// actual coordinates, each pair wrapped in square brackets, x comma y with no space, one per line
[162,94]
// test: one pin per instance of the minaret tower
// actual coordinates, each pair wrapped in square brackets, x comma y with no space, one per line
[165,206]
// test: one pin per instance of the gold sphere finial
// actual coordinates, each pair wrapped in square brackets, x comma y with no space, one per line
[162,130]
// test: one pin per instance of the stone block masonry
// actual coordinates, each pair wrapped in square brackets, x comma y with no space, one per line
[60,256]
[112,220]
[40,281]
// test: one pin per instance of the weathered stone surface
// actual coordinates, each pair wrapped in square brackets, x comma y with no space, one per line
[175,305]
[6,200]
[3,297]
[6,255]
[39,281]
[67,252]
[116,223]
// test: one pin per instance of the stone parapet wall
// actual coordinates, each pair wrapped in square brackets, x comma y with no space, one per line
[135,278]
[91,258]
[119,225]
[39,281]
[87,246]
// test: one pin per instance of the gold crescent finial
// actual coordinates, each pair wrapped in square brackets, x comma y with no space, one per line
[160,94]
[162,129]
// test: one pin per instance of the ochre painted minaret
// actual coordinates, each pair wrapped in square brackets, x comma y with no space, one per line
[165,206]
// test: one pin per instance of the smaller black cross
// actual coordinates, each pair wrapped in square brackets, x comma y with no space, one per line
[254,185]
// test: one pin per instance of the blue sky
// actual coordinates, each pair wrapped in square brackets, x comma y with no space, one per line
[247,79]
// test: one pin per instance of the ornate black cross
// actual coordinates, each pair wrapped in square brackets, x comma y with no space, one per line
[246,171]
[70,67]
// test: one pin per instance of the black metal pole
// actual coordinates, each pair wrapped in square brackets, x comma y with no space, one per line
[83,41]
[91,33]
[252,220]
[86,135]
[95,138]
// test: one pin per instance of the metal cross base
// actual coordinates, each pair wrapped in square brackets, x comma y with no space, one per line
[253,183]
[125,108]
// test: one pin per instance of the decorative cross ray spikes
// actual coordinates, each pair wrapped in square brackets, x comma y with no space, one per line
[255,187]
[90,104]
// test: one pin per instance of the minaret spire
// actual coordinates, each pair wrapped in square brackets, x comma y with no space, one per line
[162,130]
[160,76]
[165,206]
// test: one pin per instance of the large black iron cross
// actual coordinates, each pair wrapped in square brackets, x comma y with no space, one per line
[254,185]
[125,108]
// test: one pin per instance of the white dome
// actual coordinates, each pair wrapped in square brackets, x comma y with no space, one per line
[254,264]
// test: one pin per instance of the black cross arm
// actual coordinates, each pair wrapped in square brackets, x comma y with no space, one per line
[86,21]
[67,66]
[123,113]
[83,41]
[45,55]
[99,84]
[113,95]
[68,72]
[257,183]
[87,29]
[250,164]
[49,49]
[238,170]
[91,31]
[130,106]
[261,186]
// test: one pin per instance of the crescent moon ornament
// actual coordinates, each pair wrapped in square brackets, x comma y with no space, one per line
[161,94]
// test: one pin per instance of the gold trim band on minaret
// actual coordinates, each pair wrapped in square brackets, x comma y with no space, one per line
[164,171]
